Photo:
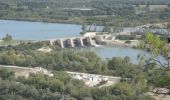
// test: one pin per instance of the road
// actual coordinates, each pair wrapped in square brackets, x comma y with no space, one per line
[18,67]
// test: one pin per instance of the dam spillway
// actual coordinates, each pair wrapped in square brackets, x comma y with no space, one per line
[79,41]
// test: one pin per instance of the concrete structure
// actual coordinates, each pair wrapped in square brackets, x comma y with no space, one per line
[90,34]
[93,80]
[45,49]
[90,39]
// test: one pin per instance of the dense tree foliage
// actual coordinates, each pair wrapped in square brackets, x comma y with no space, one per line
[133,84]
[62,86]
[102,12]
[168,26]
[157,70]
[136,78]
[7,38]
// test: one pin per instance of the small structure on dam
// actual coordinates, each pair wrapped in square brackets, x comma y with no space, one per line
[86,40]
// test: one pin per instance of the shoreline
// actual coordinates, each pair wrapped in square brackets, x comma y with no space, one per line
[28,20]
[121,43]
[65,22]
[112,44]
[13,42]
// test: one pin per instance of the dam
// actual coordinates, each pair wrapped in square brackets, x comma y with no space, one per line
[82,41]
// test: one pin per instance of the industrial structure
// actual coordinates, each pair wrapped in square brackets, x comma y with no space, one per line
[89,39]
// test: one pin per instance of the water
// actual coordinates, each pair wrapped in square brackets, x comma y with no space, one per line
[23,30]
[109,52]
[39,31]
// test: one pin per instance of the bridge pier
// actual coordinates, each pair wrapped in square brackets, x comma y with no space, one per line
[98,39]
[72,42]
[61,43]
[51,42]
[90,40]
[81,42]
[87,41]
[101,38]
[69,42]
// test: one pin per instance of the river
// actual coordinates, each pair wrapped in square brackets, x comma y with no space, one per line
[22,30]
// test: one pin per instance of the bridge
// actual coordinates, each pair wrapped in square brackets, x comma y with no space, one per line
[81,41]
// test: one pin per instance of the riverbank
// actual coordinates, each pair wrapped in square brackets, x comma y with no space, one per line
[77,21]
[122,43]
[12,42]
[41,20]
[159,96]
[24,30]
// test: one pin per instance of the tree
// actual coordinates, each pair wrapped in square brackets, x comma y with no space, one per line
[156,47]
[162,81]
[107,28]
[123,88]
[148,4]
[5,74]
[84,26]
[168,4]
[158,72]
[168,26]
[7,38]
[10,58]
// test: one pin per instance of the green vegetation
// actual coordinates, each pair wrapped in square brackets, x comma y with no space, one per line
[128,42]
[101,12]
[158,71]
[7,38]
[2,67]
[6,74]
[126,37]
[137,79]
[26,55]
[135,83]
[61,85]
[12,42]
[168,26]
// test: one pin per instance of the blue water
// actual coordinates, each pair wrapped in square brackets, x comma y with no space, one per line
[109,52]
[23,30]
[37,30]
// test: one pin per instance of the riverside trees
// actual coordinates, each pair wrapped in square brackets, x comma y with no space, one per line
[61,85]
[7,38]
[112,12]
[157,70]
[136,79]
